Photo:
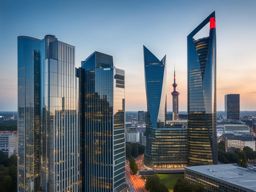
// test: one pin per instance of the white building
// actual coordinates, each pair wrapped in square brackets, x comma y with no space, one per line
[236,129]
[239,141]
[132,136]
[8,142]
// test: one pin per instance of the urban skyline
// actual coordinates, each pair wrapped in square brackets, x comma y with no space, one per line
[128,55]
[82,123]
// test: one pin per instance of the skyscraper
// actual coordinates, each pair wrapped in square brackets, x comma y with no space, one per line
[175,100]
[48,132]
[202,140]
[155,79]
[102,118]
[232,106]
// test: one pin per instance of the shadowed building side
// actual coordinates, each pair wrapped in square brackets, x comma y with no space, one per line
[102,118]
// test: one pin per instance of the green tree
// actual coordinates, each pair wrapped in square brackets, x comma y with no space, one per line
[153,184]
[249,152]
[133,166]
[8,173]
[128,150]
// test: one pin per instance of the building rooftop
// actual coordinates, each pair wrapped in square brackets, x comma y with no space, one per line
[228,173]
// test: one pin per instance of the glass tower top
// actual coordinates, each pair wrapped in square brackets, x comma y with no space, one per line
[155,75]
[202,95]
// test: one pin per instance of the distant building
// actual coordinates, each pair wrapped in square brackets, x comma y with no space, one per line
[236,129]
[102,109]
[141,117]
[8,142]
[202,139]
[175,100]
[132,136]
[222,177]
[232,106]
[238,141]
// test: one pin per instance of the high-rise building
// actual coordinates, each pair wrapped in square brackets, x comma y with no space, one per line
[155,79]
[232,106]
[166,147]
[202,141]
[175,100]
[48,132]
[102,118]
[156,98]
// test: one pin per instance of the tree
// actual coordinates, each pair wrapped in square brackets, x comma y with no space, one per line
[134,150]
[8,173]
[153,184]
[242,159]
[133,166]
[128,150]
[249,152]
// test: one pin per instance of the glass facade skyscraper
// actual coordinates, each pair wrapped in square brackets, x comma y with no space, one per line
[155,79]
[102,118]
[166,146]
[232,106]
[48,132]
[202,141]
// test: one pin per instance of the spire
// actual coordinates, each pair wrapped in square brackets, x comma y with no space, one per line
[174,81]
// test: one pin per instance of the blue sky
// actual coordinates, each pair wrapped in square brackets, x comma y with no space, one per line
[121,27]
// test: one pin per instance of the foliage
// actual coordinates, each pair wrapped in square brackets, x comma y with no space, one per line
[133,166]
[8,173]
[8,125]
[169,180]
[183,185]
[134,150]
[235,155]
[153,184]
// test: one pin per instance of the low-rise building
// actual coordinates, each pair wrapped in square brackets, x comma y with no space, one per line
[8,142]
[169,148]
[238,141]
[222,177]
[234,128]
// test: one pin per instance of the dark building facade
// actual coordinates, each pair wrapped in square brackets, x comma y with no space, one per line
[202,139]
[48,132]
[232,106]
[175,100]
[169,148]
[141,117]
[102,120]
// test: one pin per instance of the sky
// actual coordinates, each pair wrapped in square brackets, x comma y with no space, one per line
[121,28]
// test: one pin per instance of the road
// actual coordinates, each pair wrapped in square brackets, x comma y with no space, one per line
[135,182]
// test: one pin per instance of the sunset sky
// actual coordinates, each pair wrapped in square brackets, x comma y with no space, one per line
[121,28]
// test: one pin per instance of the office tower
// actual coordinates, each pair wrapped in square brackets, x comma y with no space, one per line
[202,140]
[155,77]
[102,118]
[48,132]
[232,106]
[175,100]
[166,147]
[141,117]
